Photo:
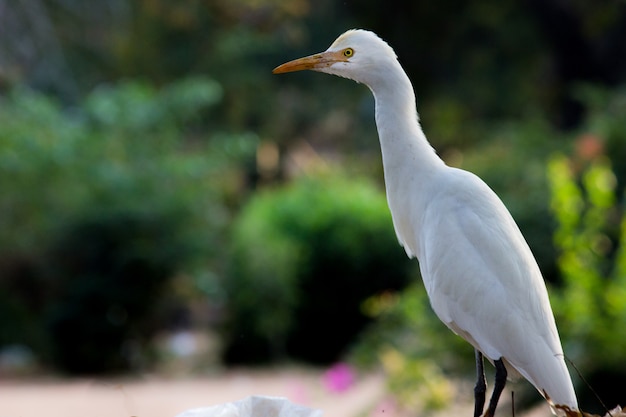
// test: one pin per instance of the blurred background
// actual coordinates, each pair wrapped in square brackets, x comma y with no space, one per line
[170,207]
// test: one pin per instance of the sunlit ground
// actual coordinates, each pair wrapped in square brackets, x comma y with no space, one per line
[160,397]
[154,396]
[193,378]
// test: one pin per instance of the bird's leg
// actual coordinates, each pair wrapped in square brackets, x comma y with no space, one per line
[481,385]
[497,388]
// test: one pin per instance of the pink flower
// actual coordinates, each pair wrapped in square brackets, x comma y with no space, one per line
[339,377]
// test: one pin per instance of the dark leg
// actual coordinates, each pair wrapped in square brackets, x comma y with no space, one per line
[513,403]
[497,388]
[481,386]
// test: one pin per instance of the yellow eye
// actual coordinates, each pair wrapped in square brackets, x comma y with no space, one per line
[348,52]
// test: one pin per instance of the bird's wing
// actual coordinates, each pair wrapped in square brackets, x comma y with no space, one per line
[484,282]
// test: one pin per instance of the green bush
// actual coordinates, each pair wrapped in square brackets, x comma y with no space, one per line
[101,206]
[109,271]
[591,305]
[417,352]
[587,202]
[304,259]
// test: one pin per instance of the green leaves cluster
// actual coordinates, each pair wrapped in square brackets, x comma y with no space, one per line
[305,256]
[129,145]
[587,202]
[591,238]
[129,186]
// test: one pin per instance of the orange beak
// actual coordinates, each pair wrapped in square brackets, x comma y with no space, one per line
[312,62]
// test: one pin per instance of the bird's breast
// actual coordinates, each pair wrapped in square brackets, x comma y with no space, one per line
[408,197]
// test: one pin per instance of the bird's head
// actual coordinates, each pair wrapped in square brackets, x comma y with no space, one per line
[359,55]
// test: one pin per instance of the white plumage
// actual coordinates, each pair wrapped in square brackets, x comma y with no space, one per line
[480,275]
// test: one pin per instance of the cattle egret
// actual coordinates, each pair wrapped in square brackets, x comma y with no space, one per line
[480,275]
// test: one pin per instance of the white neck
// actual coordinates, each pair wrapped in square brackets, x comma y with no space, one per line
[409,161]
[402,141]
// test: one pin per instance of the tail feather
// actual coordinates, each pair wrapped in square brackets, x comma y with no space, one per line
[565,411]
[561,410]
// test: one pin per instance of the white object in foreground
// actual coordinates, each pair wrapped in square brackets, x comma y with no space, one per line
[254,406]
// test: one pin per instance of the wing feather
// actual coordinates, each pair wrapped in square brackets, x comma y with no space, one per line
[484,283]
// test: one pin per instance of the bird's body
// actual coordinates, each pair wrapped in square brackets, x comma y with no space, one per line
[480,275]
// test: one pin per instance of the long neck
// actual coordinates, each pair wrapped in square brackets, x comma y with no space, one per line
[409,161]
[402,140]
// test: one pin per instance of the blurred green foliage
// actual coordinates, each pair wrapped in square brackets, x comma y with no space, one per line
[111,132]
[102,204]
[414,349]
[471,63]
[109,273]
[305,257]
[591,305]
[606,122]
[589,226]
[406,324]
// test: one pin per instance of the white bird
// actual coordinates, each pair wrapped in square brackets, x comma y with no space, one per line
[480,275]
